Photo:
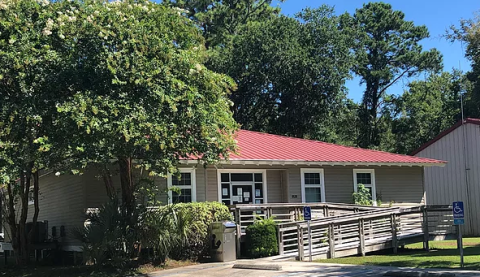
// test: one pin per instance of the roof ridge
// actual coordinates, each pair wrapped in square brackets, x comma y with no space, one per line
[338,145]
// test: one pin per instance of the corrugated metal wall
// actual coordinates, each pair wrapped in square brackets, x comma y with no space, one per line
[459,180]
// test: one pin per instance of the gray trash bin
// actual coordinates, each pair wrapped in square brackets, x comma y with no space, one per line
[223,241]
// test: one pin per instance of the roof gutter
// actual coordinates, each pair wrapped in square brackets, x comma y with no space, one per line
[309,163]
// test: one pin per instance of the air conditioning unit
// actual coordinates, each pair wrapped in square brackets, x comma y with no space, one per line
[41,231]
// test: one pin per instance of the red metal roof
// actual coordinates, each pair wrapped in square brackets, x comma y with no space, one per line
[256,146]
[475,121]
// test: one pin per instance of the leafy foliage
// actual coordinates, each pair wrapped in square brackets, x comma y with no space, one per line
[280,66]
[202,214]
[428,108]
[261,238]
[362,196]
[220,20]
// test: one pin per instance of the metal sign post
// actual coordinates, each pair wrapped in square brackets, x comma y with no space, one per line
[307,215]
[459,219]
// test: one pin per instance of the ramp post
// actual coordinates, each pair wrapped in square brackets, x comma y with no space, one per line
[361,233]
[426,235]
[280,240]
[331,240]
[394,233]
[301,252]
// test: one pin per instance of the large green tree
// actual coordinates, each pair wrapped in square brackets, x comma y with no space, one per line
[469,33]
[386,49]
[290,74]
[220,20]
[427,108]
[34,65]
[143,96]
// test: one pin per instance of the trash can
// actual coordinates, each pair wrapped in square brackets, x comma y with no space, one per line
[223,241]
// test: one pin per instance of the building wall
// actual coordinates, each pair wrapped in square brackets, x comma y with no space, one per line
[62,202]
[459,180]
[399,185]
[65,199]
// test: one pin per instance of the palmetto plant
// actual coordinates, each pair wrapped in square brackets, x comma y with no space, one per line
[108,238]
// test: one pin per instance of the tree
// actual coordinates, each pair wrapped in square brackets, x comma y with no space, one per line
[386,50]
[143,97]
[30,76]
[427,108]
[469,33]
[290,74]
[220,20]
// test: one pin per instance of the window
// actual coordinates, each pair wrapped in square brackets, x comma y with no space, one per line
[313,188]
[242,186]
[366,177]
[31,197]
[186,183]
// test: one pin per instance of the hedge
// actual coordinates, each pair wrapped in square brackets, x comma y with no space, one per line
[261,240]
[202,215]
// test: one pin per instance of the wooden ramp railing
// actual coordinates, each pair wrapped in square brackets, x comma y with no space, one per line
[360,233]
[246,214]
[340,230]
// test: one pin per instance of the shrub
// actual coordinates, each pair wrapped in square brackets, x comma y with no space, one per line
[177,231]
[201,215]
[364,198]
[262,238]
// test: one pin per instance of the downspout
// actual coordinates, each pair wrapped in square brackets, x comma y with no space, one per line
[467,170]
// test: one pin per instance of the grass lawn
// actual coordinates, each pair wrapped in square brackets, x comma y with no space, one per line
[86,271]
[443,254]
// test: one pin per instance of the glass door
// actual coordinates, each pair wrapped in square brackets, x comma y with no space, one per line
[242,193]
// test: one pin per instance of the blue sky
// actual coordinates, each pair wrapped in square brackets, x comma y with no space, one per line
[437,15]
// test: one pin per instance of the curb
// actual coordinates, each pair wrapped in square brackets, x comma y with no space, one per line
[258,266]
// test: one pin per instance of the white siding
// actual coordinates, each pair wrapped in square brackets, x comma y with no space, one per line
[448,184]
[62,203]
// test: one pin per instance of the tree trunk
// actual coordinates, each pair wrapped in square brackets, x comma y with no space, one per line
[128,186]
[107,179]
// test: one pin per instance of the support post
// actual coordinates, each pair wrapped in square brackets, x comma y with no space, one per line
[238,240]
[460,244]
[238,220]
[426,235]
[393,219]
[280,240]
[301,252]
[331,240]
[361,233]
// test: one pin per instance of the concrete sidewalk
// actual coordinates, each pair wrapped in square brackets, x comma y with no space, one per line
[296,269]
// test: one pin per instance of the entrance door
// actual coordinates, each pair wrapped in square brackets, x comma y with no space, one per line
[242,194]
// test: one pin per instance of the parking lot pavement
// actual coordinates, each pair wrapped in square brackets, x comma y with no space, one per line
[292,269]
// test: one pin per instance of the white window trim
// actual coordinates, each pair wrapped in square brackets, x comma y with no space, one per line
[31,201]
[193,187]
[322,182]
[373,186]
[264,181]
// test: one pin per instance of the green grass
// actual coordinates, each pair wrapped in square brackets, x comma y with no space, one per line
[443,254]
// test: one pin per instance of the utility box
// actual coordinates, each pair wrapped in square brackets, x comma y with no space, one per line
[223,241]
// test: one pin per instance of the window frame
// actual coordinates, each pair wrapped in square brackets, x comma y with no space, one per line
[192,186]
[372,185]
[250,171]
[303,171]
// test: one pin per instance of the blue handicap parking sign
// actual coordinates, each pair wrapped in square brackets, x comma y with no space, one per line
[458,211]
[307,213]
